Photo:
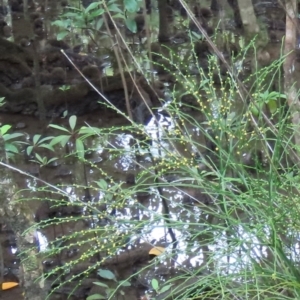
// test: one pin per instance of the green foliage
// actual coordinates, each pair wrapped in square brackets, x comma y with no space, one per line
[2,101]
[10,142]
[92,17]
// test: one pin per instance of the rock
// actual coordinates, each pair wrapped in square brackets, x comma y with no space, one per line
[20,125]
[63,172]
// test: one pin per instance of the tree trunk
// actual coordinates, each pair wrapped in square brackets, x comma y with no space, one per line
[288,66]
[248,17]
[163,34]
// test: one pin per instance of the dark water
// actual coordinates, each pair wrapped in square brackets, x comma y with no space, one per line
[66,173]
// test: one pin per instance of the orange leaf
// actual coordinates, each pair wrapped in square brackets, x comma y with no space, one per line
[157,251]
[8,285]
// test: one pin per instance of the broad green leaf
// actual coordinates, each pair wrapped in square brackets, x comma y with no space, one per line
[125,283]
[59,128]
[11,136]
[72,122]
[61,139]
[89,130]
[47,146]
[47,138]
[70,15]
[38,157]
[65,113]
[101,284]
[96,297]
[80,148]
[36,137]
[131,25]
[4,129]
[2,101]
[93,5]
[52,159]
[131,5]
[11,148]
[102,184]
[58,23]
[165,288]
[61,35]
[106,274]
[97,13]
[64,140]
[114,7]
[109,196]
[29,150]
[119,16]
[272,104]
[154,284]
[99,23]
[256,109]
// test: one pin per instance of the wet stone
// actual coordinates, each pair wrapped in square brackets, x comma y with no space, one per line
[72,252]
[20,125]
[63,172]
[97,160]
[34,170]
[130,178]
[53,164]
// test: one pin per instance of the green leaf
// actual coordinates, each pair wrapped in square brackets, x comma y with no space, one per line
[101,284]
[52,159]
[89,130]
[106,274]
[131,5]
[47,146]
[11,136]
[69,15]
[93,5]
[165,288]
[29,150]
[154,284]
[59,128]
[11,148]
[80,148]
[95,297]
[65,113]
[272,104]
[257,108]
[108,196]
[61,35]
[2,101]
[39,158]
[99,23]
[125,283]
[114,7]
[58,23]
[72,122]
[97,13]
[102,184]
[4,129]
[119,16]
[131,25]
[61,139]
[47,138]
[35,139]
